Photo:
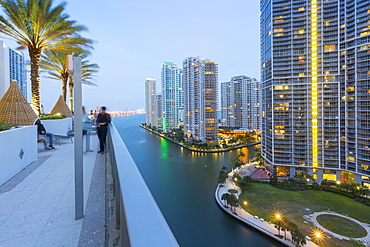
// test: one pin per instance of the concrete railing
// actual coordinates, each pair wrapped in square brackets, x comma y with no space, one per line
[138,216]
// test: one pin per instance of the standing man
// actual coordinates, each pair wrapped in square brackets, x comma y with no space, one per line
[86,128]
[102,122]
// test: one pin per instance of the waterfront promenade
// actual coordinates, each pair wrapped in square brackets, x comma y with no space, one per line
[260,224]
[37,205]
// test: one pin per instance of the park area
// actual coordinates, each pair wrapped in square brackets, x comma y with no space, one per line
[264,200]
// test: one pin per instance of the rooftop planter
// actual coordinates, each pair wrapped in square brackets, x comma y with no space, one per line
[57,126]
[18,149]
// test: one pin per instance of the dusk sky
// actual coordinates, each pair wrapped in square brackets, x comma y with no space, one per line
[134,37]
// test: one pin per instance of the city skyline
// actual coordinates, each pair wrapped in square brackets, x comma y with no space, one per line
[131,44]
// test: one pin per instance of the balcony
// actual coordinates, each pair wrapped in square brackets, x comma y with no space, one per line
[38,204]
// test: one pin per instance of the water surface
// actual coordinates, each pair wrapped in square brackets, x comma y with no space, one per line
[183,184]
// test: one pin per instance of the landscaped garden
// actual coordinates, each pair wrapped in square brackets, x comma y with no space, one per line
[341,226]
[264,199]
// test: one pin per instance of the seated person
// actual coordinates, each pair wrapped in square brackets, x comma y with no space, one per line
[42,131]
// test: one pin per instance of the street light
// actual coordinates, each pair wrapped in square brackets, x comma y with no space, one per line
[235,179]
[245,203]
[318,235]
[278,219]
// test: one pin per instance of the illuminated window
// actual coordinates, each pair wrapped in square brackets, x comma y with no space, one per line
[330,177]
[314,176]
[301,74]
[364,33]
[329,48]
[350,158]
[276,30]
[278,34]
[366,167]
[315,169]
[343,25]
[301,9]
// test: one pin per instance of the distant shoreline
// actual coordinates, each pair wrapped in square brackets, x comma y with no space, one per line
[200,151]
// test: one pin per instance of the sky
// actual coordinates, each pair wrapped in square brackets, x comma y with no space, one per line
[134,37]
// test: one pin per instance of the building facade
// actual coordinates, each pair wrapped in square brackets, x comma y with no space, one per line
[150,90]
[157,110]
[315,68]
[200,99]
[241,103]
[172,96]
[12,67]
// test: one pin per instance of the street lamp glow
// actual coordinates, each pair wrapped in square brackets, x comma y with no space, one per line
[245,203]
[317,234]
[278,216]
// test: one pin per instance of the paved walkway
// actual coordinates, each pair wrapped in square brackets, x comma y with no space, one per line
[37,205]
[259,224]
[364,225]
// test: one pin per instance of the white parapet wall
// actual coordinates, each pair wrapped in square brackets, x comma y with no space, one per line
[18,150]
[58,126]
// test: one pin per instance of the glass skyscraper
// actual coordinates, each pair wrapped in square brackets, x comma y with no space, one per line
[315,68]
[12,67]
[172,96]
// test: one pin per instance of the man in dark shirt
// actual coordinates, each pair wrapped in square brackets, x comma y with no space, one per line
[102,122]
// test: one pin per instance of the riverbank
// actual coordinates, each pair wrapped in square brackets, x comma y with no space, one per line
[257,223]
[197,150]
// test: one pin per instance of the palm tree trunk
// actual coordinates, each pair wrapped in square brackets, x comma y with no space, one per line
[71,94]
[35,78]
[64,87]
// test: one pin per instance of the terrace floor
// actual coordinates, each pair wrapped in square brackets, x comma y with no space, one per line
[37,205]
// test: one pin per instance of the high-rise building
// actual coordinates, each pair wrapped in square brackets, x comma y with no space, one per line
[150,89]
[172,96]
[315,88]
[200,99]
[240,103]
[157,110]
[12,67]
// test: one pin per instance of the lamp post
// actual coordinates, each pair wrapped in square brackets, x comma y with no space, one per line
[74,67]
[318,235]
[278,221]
[235,179]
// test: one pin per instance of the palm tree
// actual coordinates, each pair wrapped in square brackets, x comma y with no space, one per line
[55,64]
[88,73]
[36,25]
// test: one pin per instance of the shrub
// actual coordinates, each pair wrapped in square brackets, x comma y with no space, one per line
[4,126]
[52,116]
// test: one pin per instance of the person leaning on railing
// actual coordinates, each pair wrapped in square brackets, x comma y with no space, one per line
[102,121]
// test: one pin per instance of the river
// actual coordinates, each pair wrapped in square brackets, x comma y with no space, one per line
[183,184]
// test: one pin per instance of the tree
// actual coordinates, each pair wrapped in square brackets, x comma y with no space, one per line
[225,197]
[37,26]
[88,72]
[273,180]
[222,176]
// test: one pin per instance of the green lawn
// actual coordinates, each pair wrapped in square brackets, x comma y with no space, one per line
[232,191]
[341,226]
[264,199]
